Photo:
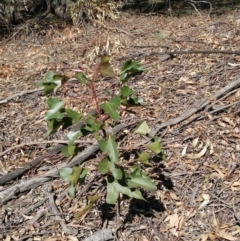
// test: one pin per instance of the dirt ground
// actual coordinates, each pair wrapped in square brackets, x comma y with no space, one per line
[198,183]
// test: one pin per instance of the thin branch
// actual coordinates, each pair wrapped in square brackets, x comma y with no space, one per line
[12,191]
[20,94]
[171,53]
[196,9]
[41,142]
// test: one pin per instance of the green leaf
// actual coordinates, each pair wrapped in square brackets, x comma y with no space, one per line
[142,128]
[48,78]
[52,82]
[74,177]
[155,145]
[131,184]
[103,166]
[55,109]
[135,171]
[131,65]
[144,183]
[81,77]
[144,158]
[114,188]
[92,125]
[59,80]
[126,92]
[115,170]
[72,136]
[127,191]
[72,190]
[65,173]
[105,68]
[68,151]
[109,146]
[74,115]
[53,126]
[91,201]
[110,107]
[83,173]
[49,88]
[130,69]
[112,194]
[136,101]
[133,101]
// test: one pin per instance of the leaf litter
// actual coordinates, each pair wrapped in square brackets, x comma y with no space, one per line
[198,183]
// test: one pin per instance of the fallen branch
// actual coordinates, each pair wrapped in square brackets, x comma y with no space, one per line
[102,235]
[197,107]
[171,53]
[66,230]
[39,143]
[20,94]
[34,182]
[20,171]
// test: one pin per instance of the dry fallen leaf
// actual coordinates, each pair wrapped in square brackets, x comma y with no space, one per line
[173,220]
[235,186]
[225,235]
[201,153]
[195,142]
[206,201]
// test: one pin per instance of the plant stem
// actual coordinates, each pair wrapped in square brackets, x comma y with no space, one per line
[92,86]
[118,210]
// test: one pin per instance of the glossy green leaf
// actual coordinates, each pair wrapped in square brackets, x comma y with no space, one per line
[144,183]
[142,128]
[155,145]
[49,88]
[92,124]
[48,78]
[59,80]
[133,101]
[136,101]
[130,69]
[81,77]
[111,106]
[126,92]
[72,136]
[115,170]
[52,82]
[73,115]
[65,173]
[56,107]
[103,166]
[105,68]
[131,65]
[144,158]
[109,146]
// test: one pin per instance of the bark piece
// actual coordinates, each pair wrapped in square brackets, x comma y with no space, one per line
[102,235]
